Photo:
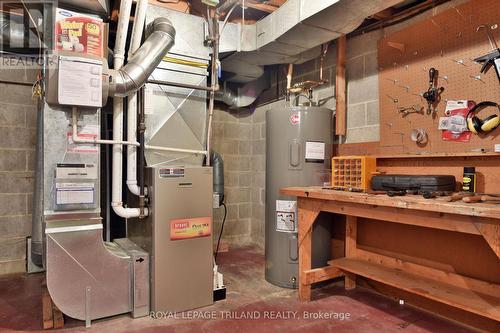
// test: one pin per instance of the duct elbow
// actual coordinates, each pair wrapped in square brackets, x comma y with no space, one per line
[134,74]
[234,101]
[246,95]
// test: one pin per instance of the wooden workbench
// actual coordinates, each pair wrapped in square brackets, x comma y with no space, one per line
[476,296]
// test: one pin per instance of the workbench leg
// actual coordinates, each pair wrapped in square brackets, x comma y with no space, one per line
[350,248]
[307,215]
[491,234]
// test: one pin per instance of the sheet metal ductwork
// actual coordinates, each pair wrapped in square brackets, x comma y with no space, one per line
[135,73]
[291,34]
[246,94]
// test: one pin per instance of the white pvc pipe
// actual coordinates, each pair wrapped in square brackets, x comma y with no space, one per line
[119,55]
[135,43]
[78,140]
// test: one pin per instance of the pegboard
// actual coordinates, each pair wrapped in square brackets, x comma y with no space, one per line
[442,42]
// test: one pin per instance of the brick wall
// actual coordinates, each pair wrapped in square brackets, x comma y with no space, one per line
[17,159]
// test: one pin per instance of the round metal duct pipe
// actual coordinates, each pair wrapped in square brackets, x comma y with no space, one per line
[135,73]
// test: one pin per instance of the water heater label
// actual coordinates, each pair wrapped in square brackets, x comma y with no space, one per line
[286,216]
[315,151]
[190,228]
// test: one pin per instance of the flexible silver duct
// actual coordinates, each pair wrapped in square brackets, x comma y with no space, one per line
[135,73]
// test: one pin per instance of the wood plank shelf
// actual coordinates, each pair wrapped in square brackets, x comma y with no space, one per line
[439,155]
[469,299]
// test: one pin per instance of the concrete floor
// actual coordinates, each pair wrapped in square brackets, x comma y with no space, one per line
[248,293]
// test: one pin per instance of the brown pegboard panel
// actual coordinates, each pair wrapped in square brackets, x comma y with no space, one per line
[437,42]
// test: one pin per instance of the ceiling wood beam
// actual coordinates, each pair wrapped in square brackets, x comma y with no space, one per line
[276,3]
[384,14]
[263,7]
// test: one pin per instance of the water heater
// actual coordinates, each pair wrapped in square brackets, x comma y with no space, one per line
[299,144]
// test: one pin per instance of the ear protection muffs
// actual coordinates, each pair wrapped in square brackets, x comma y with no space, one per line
[477,125]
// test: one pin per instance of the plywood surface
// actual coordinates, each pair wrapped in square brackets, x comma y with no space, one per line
[414,202]
[438,42]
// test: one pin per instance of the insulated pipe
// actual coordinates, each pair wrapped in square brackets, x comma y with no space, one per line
[135,43]
[127,80]
[119,53]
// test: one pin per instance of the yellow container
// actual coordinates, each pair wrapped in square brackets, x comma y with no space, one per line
[353,173]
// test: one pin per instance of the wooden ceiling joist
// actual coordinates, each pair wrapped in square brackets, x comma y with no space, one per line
[264,7]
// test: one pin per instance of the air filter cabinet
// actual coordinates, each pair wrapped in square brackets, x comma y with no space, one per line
[298,152]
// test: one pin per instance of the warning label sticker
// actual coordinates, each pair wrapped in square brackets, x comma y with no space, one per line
[315,151]
[286,216]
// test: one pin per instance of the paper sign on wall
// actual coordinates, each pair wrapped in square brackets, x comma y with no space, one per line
[80,82]
[286,216]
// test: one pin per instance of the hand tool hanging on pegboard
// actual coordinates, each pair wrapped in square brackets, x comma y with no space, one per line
[433,94]
[493,57]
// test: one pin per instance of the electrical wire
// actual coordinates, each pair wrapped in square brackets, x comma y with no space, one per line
[221,230]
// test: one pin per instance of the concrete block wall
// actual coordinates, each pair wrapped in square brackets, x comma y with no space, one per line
[17,160]
[232,134]
[258,168]
[363,115]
